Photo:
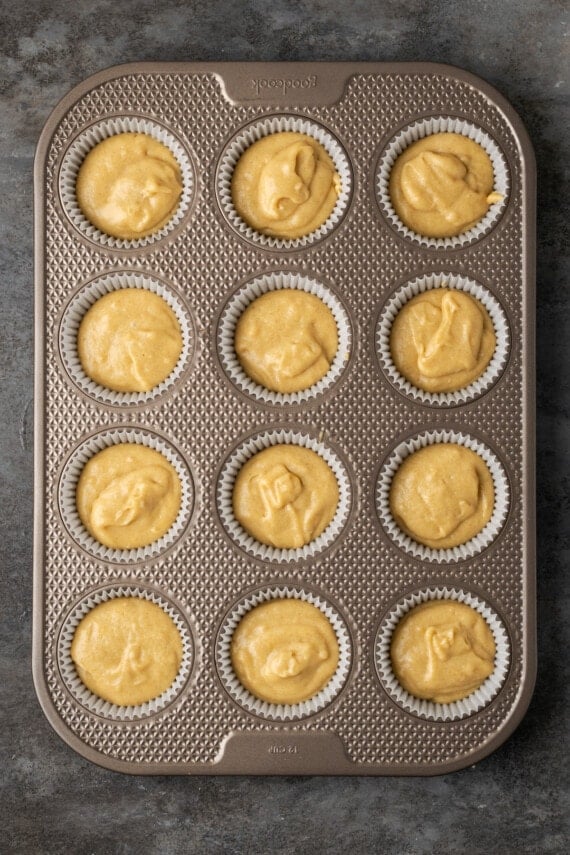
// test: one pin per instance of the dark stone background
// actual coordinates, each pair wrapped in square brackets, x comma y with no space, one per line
[52,800]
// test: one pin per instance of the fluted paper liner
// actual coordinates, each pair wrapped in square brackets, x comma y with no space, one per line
[68,485]
[471,547]
[87,297]
[496,364]
[246,295]
[81,147]
[85,696]
[224,494]
[262,128]
[435,125]
[467,706]
[265,709]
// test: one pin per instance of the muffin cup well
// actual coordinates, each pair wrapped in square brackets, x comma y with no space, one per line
[265,709]
[80,148]
[474,702]
[427,127]
[427,283]
[87,297]
[79,690]
[70,477]
[465,550]
[246,295]
[224,494]
[254,132]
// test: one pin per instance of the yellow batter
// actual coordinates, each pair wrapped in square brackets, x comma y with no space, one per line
[442,185]
[129,185]
[129,340]
[284,651]
[286,340]
[442,495]
[442,651]
[285,185]
[442,340]
[127,650]
[128,496]
[285,496]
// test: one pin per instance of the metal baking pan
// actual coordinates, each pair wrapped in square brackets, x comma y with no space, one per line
[204,416]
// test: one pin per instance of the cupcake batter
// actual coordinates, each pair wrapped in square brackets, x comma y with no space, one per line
[285,496]
[442,185]
[284,651]
[128,496]
[442,651]
[127,650]
[286,340]
[129,340]
[442,495]
[442,340]
[285,185]
[129,185]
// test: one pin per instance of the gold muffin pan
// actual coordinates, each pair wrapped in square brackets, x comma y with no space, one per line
[208,419]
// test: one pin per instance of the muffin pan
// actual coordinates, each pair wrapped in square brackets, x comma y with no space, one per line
[207,417]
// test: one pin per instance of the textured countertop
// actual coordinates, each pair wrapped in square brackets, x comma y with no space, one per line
[51,799]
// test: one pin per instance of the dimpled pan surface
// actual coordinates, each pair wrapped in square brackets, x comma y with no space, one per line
[204,417]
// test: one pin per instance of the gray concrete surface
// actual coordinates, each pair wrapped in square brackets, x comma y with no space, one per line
[53,801]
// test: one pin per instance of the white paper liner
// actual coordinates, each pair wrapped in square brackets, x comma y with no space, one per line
[452,281]
[75,313]
[265,709]
[465,550]
[87,140]
[68,486]
[93,702]
[225,486]
[254,132]
[436,125]
[478,699]
[238,304]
